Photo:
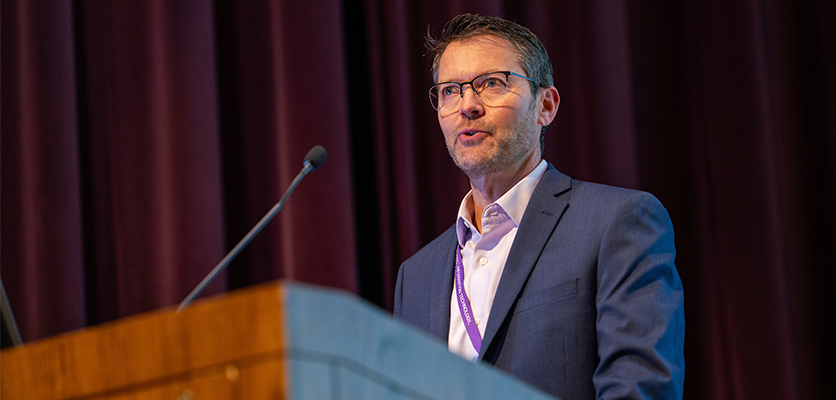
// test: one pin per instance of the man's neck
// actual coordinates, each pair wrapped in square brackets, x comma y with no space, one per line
[486,189]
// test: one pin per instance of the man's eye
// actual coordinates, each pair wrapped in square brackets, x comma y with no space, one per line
[451,90]
[492,83]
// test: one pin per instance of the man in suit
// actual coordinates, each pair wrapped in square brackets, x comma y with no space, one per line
[568,285]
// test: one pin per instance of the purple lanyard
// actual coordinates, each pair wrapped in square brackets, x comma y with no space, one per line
[464,304]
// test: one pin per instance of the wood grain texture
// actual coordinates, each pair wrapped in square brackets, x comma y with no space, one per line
[206,350]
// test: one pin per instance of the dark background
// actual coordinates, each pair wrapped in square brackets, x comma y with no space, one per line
[142,139]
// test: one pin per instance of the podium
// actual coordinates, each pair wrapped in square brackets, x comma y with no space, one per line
[278,340]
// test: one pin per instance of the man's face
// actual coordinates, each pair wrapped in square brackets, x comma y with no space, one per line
[484,139]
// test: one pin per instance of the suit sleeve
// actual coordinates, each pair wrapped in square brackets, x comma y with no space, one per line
[640,320]
[396,312]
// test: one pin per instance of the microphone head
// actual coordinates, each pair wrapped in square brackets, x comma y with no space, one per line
[315,157]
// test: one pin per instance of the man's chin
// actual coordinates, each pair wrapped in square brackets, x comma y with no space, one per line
[474,161]
[475,166]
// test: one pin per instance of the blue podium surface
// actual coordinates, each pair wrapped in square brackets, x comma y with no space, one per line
[339,346]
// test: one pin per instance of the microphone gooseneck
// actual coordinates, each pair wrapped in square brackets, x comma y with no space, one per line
[314,160]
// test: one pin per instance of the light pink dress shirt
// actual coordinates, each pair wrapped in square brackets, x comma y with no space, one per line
[484,256]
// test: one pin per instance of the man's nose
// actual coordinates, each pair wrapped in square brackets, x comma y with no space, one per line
[471,105]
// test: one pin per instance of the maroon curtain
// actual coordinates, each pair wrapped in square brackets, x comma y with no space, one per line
[142,139]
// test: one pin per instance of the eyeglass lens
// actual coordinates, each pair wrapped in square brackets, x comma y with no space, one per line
[489,87]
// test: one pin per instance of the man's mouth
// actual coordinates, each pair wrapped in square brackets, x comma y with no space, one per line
[469,132]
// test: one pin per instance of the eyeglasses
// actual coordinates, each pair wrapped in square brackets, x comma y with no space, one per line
[490,87]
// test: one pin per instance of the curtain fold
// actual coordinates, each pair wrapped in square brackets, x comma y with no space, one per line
[283,90]
[151,147]
[42,246]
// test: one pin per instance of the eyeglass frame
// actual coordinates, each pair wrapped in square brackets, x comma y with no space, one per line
[508,75]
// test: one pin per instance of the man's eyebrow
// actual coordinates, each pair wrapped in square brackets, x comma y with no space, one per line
[466,80]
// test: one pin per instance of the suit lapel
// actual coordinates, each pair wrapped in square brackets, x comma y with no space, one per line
[539,220]
[442,285]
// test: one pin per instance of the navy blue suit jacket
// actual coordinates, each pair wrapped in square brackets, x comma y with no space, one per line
[589,304]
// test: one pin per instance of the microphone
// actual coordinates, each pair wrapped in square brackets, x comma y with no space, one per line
[313,160]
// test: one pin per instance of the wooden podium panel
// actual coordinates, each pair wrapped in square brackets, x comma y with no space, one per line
[199,353]
[272,341]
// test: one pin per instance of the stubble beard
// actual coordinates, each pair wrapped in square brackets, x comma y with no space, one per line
[508,151]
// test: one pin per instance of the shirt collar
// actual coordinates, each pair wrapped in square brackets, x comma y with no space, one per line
[513,202]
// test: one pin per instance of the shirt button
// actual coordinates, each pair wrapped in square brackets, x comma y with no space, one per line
[483,261]
[478,320]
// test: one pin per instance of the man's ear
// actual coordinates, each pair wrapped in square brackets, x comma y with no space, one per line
[548,100]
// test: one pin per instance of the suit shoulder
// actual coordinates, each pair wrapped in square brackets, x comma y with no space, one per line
[602,195]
